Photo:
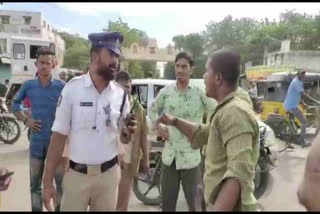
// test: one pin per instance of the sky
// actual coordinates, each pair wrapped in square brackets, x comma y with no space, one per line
[161,21]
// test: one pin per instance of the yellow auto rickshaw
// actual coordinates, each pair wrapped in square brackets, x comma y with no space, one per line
[273,92]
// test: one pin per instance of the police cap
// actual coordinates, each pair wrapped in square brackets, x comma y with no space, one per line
[110,40]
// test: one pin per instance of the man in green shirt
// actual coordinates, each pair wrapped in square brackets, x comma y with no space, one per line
[180,162]
[232,137]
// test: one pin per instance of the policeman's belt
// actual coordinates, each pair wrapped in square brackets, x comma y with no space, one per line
[84,169]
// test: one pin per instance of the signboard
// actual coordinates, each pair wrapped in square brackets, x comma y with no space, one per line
[30,31]
[262,72]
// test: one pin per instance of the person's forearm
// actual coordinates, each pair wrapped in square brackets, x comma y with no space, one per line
[186,127]
[228,196]
[54,156]
[20,115]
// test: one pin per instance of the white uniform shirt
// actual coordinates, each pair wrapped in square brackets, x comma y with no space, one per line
[90,120]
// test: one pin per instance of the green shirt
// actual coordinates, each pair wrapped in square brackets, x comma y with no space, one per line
[232,139]
[188,105]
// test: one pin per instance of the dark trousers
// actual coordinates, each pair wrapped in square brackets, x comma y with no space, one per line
[36,173]
[203,203]
[170,186]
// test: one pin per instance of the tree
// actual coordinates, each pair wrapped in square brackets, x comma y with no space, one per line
[77,57]
[169,71]
[230,33]
[149,69]
[136,70]
[77,54]
[192,43]
[130,35]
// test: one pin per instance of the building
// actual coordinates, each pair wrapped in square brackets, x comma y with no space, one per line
[27,24]
[303,59]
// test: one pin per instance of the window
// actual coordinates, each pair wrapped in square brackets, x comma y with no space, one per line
[33,51]
[152,50]
[156,89]
[261,89]
[48,27]
[44,24]
[5,19]
[19,51]
[27,20]
[3,46]
[142,91]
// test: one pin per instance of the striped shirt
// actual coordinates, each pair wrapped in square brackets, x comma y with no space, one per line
[44,101]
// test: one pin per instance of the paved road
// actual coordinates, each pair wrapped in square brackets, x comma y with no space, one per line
[280,195]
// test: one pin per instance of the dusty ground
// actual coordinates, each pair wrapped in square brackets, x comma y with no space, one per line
[280,195]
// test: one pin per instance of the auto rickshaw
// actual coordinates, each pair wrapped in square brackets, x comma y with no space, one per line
[273,91]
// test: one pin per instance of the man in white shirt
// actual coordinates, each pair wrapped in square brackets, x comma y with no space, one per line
[92,111]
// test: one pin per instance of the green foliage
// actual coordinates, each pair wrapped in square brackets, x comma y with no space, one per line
[192,43]
[251,37]
[77,54]
[77,57]
[131,35]
[169,71]
[136,70]
[149,69]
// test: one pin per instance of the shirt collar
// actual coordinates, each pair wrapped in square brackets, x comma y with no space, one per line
[228,98]
[176,87]
[88,82]
[51,80]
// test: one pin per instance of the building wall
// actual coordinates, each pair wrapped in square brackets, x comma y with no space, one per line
[39,27]
[301,59]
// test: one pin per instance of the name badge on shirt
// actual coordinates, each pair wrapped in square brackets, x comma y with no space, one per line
[86,104]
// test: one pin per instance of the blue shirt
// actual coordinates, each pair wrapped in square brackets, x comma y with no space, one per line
[293,96]
[43,103]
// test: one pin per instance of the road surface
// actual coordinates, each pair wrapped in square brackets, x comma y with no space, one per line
[280,195]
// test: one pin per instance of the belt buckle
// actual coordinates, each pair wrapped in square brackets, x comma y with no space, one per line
[93,170]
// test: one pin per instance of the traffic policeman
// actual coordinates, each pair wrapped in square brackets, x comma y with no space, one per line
[93,111]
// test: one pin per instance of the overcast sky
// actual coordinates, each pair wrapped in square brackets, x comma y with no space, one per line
[161,21]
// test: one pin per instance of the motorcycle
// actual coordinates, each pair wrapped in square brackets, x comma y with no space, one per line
[147,188]
[10,130]
[262,169]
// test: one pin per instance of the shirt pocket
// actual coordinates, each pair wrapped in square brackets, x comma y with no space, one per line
[83,117]
[115,119]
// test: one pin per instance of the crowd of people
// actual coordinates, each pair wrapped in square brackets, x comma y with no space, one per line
[89,135]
